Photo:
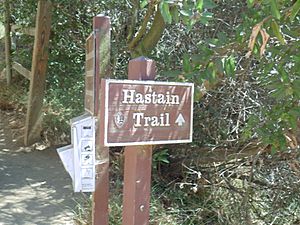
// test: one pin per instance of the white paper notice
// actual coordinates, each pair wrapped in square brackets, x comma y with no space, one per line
[66,155]
[79,158]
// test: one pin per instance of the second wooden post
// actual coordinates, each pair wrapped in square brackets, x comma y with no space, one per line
[138,161]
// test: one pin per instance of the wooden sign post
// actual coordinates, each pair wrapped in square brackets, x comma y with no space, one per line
[101,26]
[139,113]
[138,161]
[97,67]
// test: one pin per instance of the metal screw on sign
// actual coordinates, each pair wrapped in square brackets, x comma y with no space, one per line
[142,208]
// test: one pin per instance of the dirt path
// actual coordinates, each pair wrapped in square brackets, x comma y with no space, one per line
[34,187]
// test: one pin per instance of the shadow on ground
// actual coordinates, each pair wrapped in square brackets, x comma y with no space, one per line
[34,187]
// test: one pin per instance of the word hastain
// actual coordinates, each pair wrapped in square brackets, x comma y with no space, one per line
[134,97]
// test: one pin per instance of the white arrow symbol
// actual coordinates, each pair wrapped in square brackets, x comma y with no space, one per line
[180,120]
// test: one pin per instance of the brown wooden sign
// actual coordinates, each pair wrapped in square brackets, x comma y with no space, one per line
[146,112]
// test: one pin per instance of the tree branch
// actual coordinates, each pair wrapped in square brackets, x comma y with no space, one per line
[142,29]
[131,26]
[150,40]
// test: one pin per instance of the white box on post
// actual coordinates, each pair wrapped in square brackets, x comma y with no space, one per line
[83,140]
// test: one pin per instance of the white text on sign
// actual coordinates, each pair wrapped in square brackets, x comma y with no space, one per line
[133,97]
[163,120]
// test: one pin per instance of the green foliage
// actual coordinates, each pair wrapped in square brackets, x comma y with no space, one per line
[275,9]
[83,211]
[204,42]
[165,11]
[190,12]
[277,31]
[205,57]
[160,157]
[229,66]
[295,10]
[278,73]
[71,25]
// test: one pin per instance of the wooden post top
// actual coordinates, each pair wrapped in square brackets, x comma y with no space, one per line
[101,21]
[141,68]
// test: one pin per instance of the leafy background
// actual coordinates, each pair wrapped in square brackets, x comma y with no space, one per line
[243,56]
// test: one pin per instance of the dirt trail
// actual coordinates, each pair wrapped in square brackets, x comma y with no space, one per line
[34,187]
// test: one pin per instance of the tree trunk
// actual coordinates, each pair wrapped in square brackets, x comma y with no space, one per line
[148,43]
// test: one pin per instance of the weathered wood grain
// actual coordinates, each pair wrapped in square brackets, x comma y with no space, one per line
[38,68]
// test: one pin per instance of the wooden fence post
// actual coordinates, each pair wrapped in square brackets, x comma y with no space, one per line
[101,26]
[138,161]
[38,75]
[7,42]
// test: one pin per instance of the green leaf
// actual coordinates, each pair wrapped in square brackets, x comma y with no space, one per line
[282,142]
[165,12]
[212,72]
[206,17]
[186,64]
[171,73]
[164,160]
[295,10]
[197,94]
[175,14]
[285,78]
[273,149]
[274,9]
[295,112]
[277,32]
[250,3]
[187,13]
[296,89]
[208,4]
[143,4]
[199,5]
[294,33]
[222,37]
[204,55]
[229,66]
[219,66]
[186,21]
[279,93]
[213,42]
